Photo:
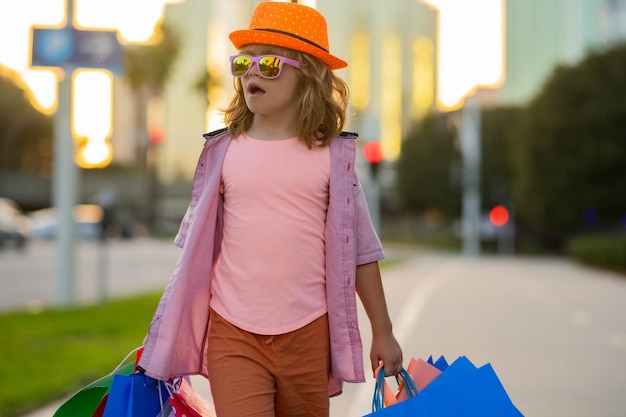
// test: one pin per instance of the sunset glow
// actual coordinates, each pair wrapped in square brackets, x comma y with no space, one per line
[471,48]
[134,19]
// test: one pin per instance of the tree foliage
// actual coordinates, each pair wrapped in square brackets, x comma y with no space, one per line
[150,66]
[25,133]
[496,172]
[569,152]
[425,167]
[147,70]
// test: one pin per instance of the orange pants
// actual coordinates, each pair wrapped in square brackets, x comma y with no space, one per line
[269,376]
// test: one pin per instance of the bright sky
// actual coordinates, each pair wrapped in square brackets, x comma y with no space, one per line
[135,20]
[471,48]
[92,89]
[470,37]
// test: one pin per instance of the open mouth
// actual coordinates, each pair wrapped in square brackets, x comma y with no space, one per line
[254,89]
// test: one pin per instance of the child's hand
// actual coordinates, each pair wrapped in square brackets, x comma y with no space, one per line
[386,348]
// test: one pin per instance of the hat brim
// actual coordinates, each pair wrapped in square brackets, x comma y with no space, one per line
[240,38]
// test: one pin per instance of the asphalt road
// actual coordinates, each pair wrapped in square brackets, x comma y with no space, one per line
[554,331]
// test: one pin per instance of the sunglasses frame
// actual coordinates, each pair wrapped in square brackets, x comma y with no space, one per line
[255,60]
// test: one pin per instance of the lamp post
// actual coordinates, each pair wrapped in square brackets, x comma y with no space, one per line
[65,182]
[68,48]
[470,138]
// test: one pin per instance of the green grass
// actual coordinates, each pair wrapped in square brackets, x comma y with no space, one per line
[46,356]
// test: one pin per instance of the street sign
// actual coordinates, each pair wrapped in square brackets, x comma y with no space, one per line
[71,48]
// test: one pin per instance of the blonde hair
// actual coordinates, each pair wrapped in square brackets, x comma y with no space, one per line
[322,105]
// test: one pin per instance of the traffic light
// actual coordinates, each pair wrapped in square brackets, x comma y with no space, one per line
[499,216]
[373,154]
[156,135]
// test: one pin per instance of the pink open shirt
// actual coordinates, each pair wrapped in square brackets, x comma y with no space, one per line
[177,339]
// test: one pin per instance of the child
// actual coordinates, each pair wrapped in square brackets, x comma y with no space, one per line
[277,238]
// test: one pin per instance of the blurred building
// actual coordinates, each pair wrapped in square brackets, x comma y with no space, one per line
[542,34]
[391,47]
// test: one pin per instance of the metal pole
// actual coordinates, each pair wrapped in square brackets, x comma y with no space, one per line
[65,184]
[471,149]
[374,202]
[506,233]
[103,268]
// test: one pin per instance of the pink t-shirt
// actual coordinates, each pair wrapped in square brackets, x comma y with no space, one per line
[270,276]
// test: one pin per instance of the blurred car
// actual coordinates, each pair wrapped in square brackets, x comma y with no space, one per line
[88,218]
[15,226]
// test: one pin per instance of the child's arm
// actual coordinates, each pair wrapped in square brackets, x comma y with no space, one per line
[385,347]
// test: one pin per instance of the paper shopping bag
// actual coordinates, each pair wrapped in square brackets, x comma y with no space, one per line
[100,409]
[422,372]
[383,396]
[136,395]
[186,402]
[462,389]
[440,363]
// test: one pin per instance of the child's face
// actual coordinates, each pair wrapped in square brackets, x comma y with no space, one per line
[269,97]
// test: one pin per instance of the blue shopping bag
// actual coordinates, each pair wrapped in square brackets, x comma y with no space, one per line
[136,395]
[440,363]
[462,389]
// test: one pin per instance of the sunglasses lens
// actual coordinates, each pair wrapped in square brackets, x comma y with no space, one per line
[269,66]
[240,65]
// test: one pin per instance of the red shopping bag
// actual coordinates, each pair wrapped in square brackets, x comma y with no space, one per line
[186,402]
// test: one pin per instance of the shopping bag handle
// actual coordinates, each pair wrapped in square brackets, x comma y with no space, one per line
[378,401]
[123,362]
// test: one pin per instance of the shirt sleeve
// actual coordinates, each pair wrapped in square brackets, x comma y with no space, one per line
[369,248]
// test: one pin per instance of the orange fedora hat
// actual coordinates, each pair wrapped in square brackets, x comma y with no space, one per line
[289,25]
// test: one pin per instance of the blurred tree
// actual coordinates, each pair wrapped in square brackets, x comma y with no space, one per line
[429,169]
[25,133]
[496,170]
[205,82]
[425,169]
[569,151]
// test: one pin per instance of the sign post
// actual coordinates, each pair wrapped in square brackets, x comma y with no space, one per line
[470,136]
[69,48]
[65,190]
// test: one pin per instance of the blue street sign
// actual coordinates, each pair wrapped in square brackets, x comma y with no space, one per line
[71,48]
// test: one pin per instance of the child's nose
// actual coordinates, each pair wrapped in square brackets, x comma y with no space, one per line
[254,69]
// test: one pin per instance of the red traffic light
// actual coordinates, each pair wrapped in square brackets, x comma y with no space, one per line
[373,152]
[157,135]
[499,216]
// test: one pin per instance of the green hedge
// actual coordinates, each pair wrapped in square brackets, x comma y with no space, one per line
[608,251]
